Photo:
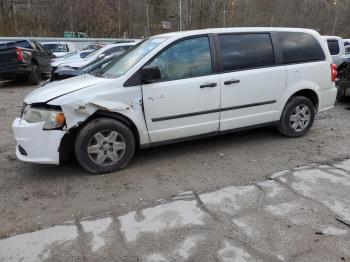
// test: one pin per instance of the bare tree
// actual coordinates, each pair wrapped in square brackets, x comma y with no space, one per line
[137,18]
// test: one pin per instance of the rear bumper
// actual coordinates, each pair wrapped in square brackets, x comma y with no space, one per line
[36,145]
[15,70]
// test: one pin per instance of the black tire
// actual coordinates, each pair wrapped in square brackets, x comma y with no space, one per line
[87,133]
[285,125]
[34,77]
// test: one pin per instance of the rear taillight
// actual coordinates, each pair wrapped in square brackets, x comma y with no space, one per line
[19,54]
[334,72]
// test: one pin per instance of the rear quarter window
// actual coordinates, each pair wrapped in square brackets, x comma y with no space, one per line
[300,48]
[333,47]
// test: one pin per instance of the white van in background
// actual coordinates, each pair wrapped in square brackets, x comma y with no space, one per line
[59,49]
[180,86]
[336,48]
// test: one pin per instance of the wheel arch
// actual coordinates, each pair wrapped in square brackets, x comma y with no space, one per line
[310,94]
[308,90]
[66,147]
[120,117]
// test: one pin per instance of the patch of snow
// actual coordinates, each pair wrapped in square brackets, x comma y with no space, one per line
[97,228]
[281,209]
[185,248]
[35,246]
[247,229]
[272,188]
[231,253]
[333,231]
[345,165]
[279,174]
[231,199]
[341,208]
[155,257]
[173,215]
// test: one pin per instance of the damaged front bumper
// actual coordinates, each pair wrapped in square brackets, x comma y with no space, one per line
[36,145]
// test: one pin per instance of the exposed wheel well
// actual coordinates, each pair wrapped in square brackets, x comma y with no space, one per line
[310,94]
[125,120]
[66,148]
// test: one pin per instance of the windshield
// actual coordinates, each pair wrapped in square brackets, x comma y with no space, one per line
[56,47]
[120,66]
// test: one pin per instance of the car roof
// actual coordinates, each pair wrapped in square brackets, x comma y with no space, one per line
[236,30]
[58,43]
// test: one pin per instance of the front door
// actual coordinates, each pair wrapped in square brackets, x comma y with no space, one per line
[185,102]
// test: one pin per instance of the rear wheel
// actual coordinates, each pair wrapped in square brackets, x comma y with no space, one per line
[104,145]
[297,117]
[34,77]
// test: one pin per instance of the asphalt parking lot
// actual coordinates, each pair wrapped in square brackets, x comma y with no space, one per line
[34,196]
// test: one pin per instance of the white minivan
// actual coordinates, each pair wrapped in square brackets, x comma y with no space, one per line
[179,86]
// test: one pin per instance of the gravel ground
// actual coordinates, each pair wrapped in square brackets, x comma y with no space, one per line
[36,196]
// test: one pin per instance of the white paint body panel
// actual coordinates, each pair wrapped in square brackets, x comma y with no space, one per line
[41,146]
[337,59]
[178,98]
[255,86]
[82,96]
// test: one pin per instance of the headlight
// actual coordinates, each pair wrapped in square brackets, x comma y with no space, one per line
[53,118]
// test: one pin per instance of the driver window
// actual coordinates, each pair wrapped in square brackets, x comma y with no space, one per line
[186,59]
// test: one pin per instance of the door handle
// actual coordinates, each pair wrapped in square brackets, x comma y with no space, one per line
[209,85]
[233,81]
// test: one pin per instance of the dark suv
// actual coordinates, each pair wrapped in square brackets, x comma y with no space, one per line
[24,60]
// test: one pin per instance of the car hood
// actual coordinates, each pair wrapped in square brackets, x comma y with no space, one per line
[60,88]
[75,64]
[59,54]
[60,61]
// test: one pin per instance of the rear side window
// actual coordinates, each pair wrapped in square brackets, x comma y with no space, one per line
[245,51]
[333,46]
[300,48]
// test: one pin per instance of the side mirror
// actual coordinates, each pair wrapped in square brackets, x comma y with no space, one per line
[150,74]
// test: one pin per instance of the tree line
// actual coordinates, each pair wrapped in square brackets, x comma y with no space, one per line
[141,18]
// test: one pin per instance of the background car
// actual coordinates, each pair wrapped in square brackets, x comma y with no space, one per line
[336,48]
[94,46]
[59,49]
[96,54]
[65,72]
[25,60]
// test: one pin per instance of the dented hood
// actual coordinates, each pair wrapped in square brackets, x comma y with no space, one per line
[60,88]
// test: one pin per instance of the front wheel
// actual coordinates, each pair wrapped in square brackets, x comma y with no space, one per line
[297,117]
[104,145]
